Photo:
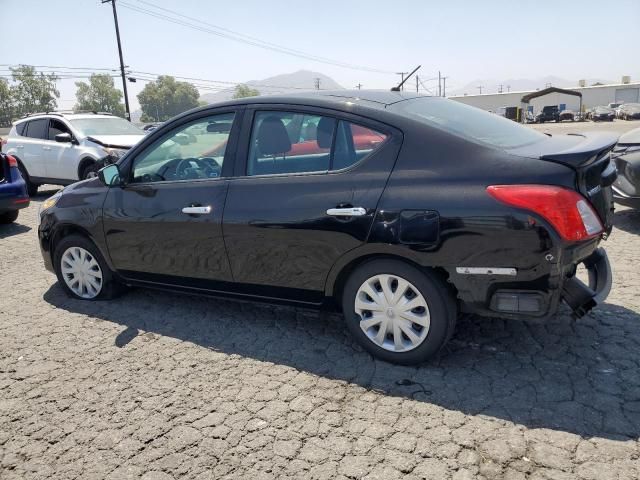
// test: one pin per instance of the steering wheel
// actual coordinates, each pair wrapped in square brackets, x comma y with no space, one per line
[184,165]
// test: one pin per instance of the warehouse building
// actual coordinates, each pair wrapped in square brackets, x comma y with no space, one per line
[625,92]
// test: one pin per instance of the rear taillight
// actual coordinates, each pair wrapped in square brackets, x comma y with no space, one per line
[12,161]
[566,210]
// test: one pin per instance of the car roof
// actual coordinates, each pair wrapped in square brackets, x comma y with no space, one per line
[68,116]
[331,98]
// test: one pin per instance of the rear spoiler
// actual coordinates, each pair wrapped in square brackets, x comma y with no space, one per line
[586,151]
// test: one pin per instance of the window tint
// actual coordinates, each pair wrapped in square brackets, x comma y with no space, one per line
[38,128]
[192,151]
[286,142]
[468,122]
[20,128]
[56,127]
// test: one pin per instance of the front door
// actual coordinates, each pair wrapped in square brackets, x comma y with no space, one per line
[305,193]
[165,224]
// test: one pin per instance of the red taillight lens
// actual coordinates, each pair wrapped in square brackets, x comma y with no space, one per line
[12,161]
[568,211]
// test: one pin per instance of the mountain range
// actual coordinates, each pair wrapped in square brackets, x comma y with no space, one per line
[492,85]
[285,83]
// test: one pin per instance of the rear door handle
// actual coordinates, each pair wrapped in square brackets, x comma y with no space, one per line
[197,210]
[347,212]
[46,148]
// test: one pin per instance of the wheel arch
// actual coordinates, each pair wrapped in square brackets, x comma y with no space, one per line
[84,163]
[64,230]
[341,271]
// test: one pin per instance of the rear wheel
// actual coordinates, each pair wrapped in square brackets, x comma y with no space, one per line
[32,188]
[398,313]
[8,217]
[82,271]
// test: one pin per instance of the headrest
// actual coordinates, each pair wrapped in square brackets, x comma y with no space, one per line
[326,126]
[273,137]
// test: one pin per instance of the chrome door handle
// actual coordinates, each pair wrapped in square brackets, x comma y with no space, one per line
[19,146]
[46,148]
[197,210]
[347,212]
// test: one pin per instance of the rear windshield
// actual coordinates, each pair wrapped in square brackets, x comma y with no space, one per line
[468,122]
[105,126]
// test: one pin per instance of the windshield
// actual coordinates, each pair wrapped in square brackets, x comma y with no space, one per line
[105,126]
[468,122]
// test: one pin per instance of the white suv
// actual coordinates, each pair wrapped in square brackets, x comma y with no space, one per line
[60,148]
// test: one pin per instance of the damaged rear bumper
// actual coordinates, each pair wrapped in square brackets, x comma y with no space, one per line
[581,297]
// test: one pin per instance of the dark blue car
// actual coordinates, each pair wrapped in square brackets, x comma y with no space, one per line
[13,189]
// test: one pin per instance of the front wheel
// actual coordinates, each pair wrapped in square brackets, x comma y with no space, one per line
[90,171]
[397,312]
[82,271]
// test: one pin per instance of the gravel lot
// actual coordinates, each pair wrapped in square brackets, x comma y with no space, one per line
[160,386]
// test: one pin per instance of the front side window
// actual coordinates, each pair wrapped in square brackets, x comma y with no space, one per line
[56,127]
[193,151]
[38,128]
[288,142]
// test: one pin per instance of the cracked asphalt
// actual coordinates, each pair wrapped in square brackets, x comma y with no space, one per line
[159,386]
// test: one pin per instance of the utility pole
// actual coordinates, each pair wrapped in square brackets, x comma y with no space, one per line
[124,79]
[439,84]
[402,74]
[508,88]
[479,87]
[317,83]
[359,86]
[500,88]
[444,86]
[417,84]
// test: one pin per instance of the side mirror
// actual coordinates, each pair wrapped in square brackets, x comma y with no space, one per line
[110,175]
[64,138]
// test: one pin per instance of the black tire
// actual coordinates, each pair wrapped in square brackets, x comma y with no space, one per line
[32,188]
[89,171]
[441,304]
[8,217]
[110,288]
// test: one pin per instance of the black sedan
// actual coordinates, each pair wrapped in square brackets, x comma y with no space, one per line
[400,210]
[603,114]
[626,189]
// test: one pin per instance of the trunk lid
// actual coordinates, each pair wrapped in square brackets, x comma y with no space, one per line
[590,157]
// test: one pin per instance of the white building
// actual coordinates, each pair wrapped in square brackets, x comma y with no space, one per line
[626,92]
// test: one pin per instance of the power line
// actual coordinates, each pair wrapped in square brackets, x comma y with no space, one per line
[239,37]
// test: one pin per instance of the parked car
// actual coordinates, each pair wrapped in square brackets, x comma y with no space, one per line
[453,210]
[626,188]
[602,114]
[567,115]
[630,111]
[548,114]
[13,189]
[60,148]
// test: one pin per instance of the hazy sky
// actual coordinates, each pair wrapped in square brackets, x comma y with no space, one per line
[466,40]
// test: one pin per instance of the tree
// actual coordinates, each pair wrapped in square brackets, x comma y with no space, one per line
[243,91]
[99,95]
[33,92]
[165,98]
[6,103]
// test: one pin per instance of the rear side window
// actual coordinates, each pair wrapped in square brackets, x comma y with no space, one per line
[468,122]
[288,142]
[20,128]
[38,129]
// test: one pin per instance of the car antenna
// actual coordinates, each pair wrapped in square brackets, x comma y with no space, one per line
[397,88]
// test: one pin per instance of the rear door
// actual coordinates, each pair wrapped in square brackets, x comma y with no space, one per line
[305,192]
[35,150]
[165,224]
